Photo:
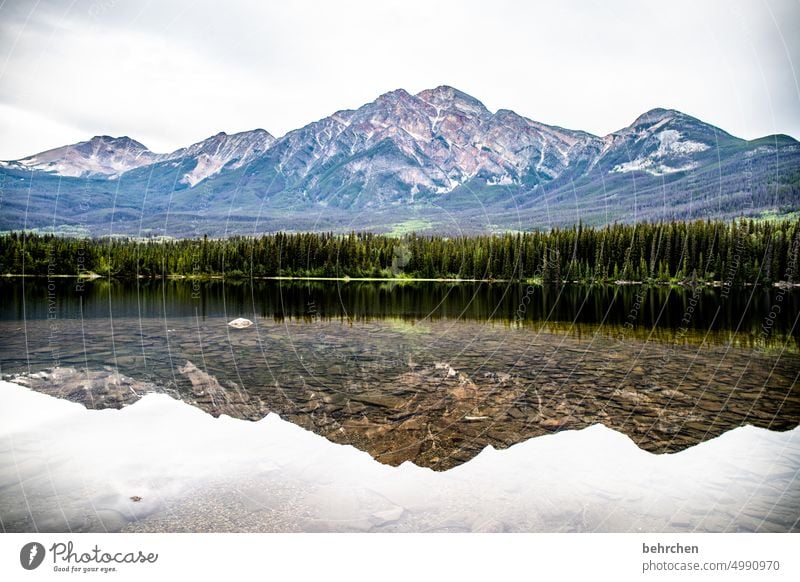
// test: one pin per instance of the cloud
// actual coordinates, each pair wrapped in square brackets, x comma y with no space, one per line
[170,73]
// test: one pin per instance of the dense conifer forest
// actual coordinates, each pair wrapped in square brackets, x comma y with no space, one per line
[743,251]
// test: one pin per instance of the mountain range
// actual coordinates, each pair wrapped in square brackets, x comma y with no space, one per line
[438,161]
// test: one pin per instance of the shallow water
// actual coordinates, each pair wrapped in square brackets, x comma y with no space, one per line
[163,465]
[429,373]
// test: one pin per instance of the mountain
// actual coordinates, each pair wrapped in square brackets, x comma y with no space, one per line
[435,161]
[110,157]
[219,151]
[102,155]
[661,142]
[404,148]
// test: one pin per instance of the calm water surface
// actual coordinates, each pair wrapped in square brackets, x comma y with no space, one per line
[424,372]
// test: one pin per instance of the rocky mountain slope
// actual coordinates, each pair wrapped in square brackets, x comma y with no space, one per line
[109,157]
[438,161]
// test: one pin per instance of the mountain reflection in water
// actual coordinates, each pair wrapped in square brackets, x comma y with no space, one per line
[428,373]
[162,465]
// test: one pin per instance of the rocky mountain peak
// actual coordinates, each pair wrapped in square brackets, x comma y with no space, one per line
[446,97]
[654,116]
[116,143]
[393,96]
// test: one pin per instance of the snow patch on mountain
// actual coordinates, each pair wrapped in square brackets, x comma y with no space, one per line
[652,167]
[669,157]
[504,180]
[670,143]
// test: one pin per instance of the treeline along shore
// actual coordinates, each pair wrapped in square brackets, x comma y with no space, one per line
[731,253]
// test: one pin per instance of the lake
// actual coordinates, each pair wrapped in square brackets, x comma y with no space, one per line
[426,372]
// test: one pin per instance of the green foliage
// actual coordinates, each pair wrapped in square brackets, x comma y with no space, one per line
[743,251]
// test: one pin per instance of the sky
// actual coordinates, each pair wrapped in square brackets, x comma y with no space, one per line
[169,73]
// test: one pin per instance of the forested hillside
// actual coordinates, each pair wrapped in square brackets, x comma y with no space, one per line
[743,251]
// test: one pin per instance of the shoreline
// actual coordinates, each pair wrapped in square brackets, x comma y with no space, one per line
[537,282]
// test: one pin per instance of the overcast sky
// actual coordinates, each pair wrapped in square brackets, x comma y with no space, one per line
[169,73]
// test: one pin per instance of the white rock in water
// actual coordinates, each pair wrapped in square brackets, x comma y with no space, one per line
[240,323]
